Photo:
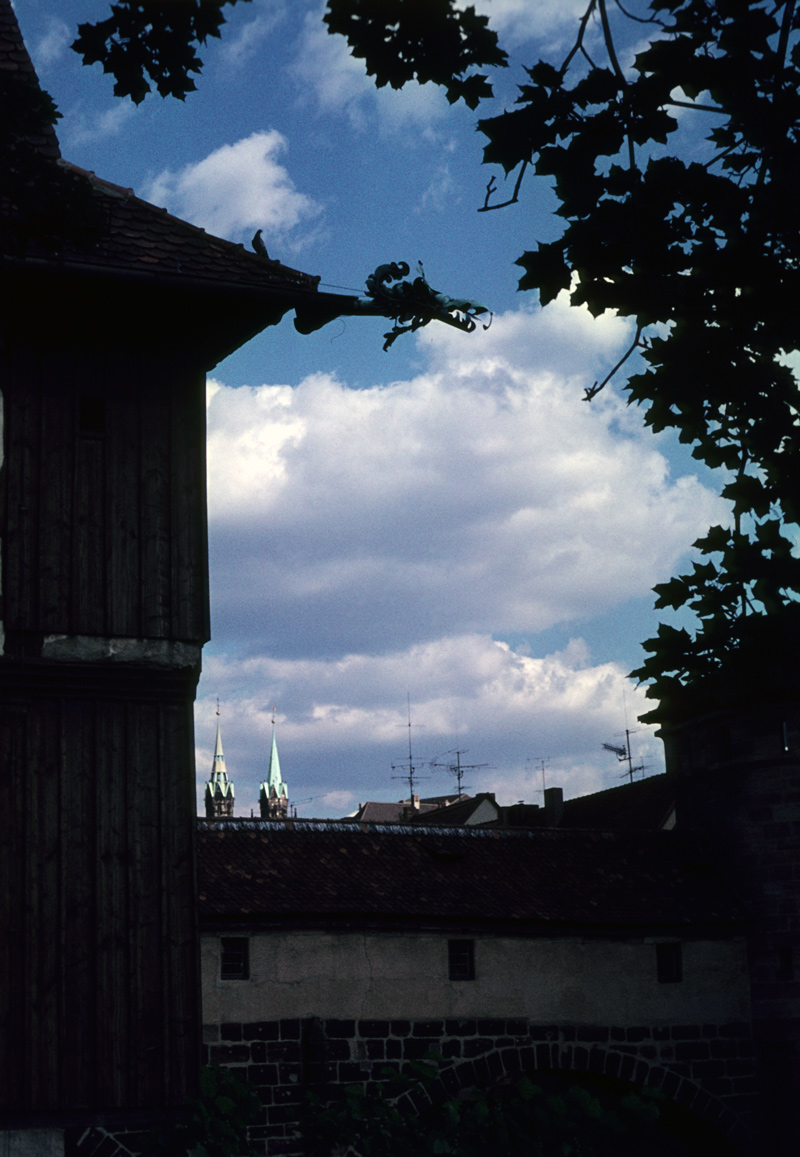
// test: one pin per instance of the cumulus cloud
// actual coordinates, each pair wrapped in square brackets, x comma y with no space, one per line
[370,543]
[480,496]
[341,725]
[516,21]
[238,47]
[325,70]
[236,188]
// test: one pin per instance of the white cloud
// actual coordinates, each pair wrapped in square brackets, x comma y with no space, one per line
[236,188]
[439,193]
[341,725]
[481,496]
[51,47]
[82,128]
[325,69]
[368,543]
[238,47]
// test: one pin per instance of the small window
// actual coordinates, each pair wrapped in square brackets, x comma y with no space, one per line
[461,959]
[234,958]
[785,962]
[669,963]
[91,414]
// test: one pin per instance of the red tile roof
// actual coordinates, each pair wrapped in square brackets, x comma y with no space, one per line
[539,878]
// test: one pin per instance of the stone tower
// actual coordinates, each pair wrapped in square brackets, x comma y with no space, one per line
[219,789]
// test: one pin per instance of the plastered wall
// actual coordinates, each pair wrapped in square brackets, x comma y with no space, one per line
[364,975]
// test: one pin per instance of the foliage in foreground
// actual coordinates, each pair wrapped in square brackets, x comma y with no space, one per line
[548,1115]
[218,1119]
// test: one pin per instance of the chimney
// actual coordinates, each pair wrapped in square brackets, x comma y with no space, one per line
[415,802]
[553,805]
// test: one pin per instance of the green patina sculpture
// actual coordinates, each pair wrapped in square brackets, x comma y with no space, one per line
[412,304]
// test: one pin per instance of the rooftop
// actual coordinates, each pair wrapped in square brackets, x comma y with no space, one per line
[541,877]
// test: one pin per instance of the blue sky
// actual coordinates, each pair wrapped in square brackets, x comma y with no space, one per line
[447,521]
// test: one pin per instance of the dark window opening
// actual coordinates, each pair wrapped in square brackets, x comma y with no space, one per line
[669,963]
[785,962]
[91,414]
[461,959]
[234,958]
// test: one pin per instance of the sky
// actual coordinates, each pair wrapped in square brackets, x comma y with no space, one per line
[439,548]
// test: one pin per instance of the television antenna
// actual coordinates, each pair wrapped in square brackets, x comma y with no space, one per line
[623,754]
[458,769]
[544,762]
[410,772]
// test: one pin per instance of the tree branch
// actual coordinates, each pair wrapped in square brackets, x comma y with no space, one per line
[490,188]
[596,388]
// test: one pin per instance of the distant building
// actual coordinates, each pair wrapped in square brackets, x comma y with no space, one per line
[380,812]
[273,796]
[219,789]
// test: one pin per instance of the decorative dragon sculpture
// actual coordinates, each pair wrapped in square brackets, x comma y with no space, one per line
[412,304]
[389,293]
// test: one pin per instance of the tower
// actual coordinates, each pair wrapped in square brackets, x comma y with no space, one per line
[273,798]
[110,324]
[219,789]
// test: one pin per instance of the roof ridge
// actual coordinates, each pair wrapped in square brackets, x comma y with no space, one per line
[15,60]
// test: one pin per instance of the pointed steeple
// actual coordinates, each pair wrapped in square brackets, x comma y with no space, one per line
[219,789]
[273,797]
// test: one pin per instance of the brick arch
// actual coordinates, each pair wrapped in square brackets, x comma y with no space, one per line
[507,1063]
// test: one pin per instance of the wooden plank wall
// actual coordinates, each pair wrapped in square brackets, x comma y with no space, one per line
[99,1005]
[104,531]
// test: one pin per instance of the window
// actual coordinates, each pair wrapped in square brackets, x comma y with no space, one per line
[785,962]
[234,958]
[461,959]
[669,963]
[91,414]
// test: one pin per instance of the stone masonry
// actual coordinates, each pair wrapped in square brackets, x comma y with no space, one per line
[708,1069]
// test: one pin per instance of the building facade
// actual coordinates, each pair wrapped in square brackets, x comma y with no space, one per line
[353,945]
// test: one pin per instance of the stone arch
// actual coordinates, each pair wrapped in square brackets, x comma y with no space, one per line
[506,1063]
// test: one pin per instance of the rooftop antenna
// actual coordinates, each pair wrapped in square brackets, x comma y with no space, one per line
[544,762]
[623,754]
[458,769]
[411,773]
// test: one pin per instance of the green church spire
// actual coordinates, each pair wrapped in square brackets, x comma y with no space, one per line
[219,789]
[273,798]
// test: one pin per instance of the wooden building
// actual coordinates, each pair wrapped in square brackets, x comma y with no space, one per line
[112,315]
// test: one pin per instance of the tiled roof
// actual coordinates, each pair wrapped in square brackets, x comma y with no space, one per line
[14,58]
[542,877]
[129,237]
[458,813]
[378,812]
[137,238]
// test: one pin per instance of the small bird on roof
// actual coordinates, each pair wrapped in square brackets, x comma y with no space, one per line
[259,246]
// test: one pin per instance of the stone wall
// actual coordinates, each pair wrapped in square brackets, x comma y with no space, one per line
[706,1068]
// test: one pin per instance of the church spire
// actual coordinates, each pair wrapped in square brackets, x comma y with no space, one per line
[219,789]
[273,797]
